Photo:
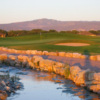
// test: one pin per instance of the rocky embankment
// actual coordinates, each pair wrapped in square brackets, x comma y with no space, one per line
[84,78]
[63,54]
[8,84]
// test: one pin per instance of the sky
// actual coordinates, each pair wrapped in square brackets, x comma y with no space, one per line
[64,10]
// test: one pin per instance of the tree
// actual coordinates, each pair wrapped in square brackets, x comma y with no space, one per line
[3,32]
[52,31]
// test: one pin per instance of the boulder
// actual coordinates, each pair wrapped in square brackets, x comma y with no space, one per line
[62,71]
[73,71]
[96,76]
[3,58]
[3,95]
[39,52]
[93,57]
[11,57]
[95,88]
[33,51]
[58,64]
[52,54]
[89,75]
[76,55]
[83,56]
[37,58]
[45,53]
[62,54]
[28,52]
[77,75]
[93,82]
[98,57]
[69,54]
[30,64]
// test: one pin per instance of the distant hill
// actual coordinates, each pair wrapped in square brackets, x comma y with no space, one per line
[47,24]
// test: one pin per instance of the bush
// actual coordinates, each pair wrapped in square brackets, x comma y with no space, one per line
[67,70]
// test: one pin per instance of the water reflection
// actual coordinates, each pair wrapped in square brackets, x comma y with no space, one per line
[49,86]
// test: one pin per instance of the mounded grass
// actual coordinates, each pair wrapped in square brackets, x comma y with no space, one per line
[47,41]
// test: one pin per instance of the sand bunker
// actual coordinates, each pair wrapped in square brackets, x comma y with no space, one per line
[73,44]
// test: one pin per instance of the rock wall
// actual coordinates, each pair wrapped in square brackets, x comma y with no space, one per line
[64,54]
[85,78]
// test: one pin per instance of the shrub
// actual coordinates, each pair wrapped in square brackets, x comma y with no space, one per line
[67,70]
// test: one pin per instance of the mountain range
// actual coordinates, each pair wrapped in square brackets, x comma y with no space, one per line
[47,24]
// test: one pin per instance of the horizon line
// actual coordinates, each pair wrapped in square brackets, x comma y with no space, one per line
[52,19]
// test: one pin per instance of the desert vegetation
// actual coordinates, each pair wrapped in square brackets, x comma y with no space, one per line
[13,33]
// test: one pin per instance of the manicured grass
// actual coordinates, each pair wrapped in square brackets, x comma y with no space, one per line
[47,41]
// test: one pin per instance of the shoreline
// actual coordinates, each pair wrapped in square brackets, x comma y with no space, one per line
[84,78]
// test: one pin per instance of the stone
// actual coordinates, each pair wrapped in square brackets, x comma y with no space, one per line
[73,71]
[83,56]
[89,75]
[62,54]
[69,54]
[33,51]
[96,76]
[77,75]
[52,54]
[93,58]
[62,71]
[37,58]
[57,81]
[76,55]
[31,65]
[3,57]
[3,95]
[98,57]
[95,88]
[11,57]
[93,82]
[45,53]
[7,88]
[58,64]
[28,52]
[3,83]
[79,79]
[39,52]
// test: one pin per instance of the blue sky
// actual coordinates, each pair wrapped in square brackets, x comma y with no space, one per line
[65,10]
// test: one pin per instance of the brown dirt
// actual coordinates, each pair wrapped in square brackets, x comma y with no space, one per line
[73,44]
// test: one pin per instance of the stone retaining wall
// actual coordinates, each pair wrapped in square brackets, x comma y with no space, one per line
[85,78]
[64,54]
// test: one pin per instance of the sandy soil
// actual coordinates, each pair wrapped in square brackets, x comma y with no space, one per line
[73,44]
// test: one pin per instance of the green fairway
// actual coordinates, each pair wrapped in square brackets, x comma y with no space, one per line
[47,41]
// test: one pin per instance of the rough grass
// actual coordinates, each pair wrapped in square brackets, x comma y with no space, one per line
[47,41]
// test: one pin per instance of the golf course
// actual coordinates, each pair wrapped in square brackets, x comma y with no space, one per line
[50,41]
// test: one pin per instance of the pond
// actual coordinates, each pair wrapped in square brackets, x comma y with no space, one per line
[47,86]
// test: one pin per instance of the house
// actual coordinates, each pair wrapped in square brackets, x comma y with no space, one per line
[2,35]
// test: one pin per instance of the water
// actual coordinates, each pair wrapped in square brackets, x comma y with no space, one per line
[45,86]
